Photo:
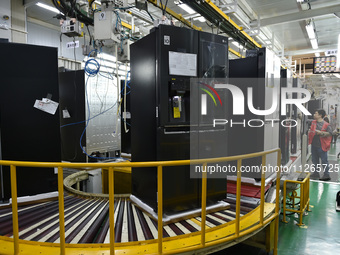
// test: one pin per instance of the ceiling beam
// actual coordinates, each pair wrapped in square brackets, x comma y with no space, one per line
[301,15]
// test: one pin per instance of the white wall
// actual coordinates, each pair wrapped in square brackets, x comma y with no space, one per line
[5,9]
[40,35]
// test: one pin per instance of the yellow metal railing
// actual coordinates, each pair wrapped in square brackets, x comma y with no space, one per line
[159,165]
[304,198]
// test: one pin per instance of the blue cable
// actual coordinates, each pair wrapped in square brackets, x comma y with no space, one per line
[76,123]
[92,72]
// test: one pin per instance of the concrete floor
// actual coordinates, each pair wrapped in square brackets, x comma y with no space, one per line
[321,233]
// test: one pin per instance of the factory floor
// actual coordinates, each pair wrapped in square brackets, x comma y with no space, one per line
[321,230]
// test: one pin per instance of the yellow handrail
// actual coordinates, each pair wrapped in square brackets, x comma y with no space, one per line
[160,208]
[238,198]
[15,209]
[159,165]
[61,210]
[204,204]
[111,210]
[304,198]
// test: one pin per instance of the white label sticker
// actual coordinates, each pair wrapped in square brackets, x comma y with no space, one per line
[102,16]
[46,105]
[71,45]
[66,114]
[182,64]
[166,40]
[126,115]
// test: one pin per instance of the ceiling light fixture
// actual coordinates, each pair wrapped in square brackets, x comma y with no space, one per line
[186,8]
[338,54]
[312,35]
[314,43]
[310,31]
[48,7]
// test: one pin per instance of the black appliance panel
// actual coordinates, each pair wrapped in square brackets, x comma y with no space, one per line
[244,140]
[125,136]
[72,91]
[182,40]
[213,57]
[29,73]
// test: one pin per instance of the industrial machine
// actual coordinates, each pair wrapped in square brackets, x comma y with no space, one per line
[90,125]
[29,116]
[260,70]
[162,64]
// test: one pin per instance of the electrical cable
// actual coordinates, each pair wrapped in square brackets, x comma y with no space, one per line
[68,11]
[60,8]
[87,26]
[150,16]
[90,4]
[162,6]
[166,4]
[127,75]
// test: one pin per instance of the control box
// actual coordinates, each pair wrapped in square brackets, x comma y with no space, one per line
[71,28]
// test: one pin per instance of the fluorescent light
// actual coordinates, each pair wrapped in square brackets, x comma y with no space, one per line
[314,43]
[237,45]
[310,31]
[312,35]
[200,18]
[338,55]
[48,7]
[317,54]
[186,8]
[300,1]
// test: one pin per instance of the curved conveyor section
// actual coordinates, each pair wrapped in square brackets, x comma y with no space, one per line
[86,221]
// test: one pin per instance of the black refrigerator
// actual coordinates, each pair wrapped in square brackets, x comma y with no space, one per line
[162,64]
[29,73]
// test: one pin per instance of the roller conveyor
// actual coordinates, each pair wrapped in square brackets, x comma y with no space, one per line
[87,221]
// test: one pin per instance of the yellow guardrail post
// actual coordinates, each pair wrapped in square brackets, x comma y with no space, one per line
[238,198]
[302,202]
[15,219]
[204,203]
[112,210]
[160,208]
[277,202]
[304,198]
[263,179]
[307,195]
[284,201]
[61,210]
